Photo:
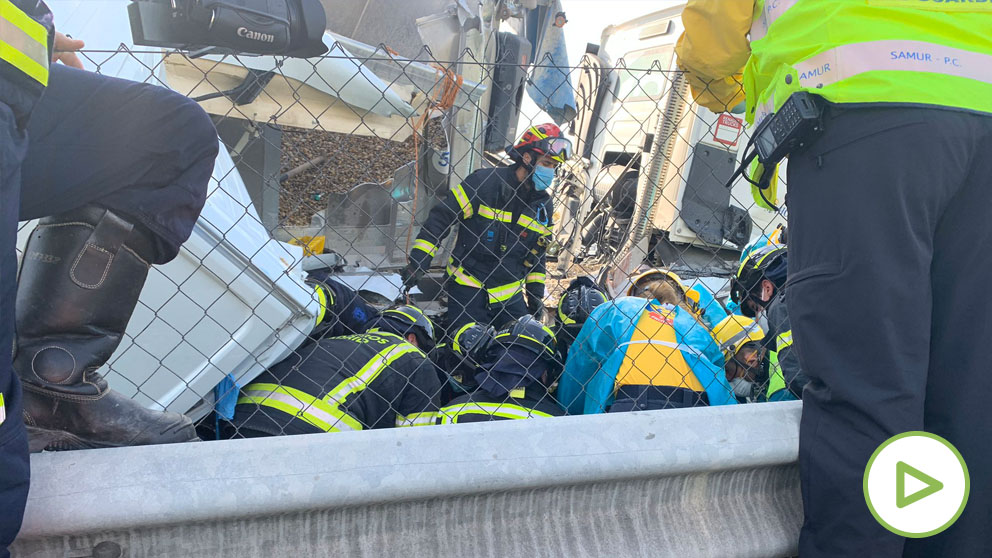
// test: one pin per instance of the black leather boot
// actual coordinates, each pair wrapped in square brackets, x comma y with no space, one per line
[80,280]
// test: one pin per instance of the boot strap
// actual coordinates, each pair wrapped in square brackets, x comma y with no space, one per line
[92,264]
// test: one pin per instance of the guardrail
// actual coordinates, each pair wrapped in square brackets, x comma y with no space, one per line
[703,481]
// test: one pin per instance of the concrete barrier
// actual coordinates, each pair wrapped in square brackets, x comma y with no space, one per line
[692,482]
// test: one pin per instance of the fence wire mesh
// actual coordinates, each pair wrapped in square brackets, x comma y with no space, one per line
[343,175]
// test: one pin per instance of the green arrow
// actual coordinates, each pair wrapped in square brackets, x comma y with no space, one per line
[903,469]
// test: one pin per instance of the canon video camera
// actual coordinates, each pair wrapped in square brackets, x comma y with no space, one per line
[273,27]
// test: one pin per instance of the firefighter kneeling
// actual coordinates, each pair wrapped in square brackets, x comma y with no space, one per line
[378,379]
[513,378]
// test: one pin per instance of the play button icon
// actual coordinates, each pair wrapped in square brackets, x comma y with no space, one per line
[909,468]
[905,472]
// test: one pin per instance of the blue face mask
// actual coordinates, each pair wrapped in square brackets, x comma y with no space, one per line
[543,176]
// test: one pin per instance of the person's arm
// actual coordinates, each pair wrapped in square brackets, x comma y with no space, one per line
[457,204]
[713,49]
[418,406]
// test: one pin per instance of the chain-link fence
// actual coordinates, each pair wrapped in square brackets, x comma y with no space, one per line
[363,180]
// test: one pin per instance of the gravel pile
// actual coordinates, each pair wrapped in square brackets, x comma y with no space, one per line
[352,160]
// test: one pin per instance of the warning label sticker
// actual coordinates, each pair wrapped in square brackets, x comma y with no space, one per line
[728,130]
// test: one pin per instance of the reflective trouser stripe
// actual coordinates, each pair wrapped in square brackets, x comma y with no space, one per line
[3,412]
[495,214]
[845,61]
[505,292]
[450,414]
[416,419]
[322,300]
[319,413]
[529,223]
[463,202]
[771,10]
[536,277]
[463,277]
[23,42]
[425,246]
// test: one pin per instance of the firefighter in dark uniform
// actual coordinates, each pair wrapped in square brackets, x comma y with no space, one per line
[759,287]
[505,227]
[342,309]
[459,357]
[578,301]
[377,379]
[513,379]
[118,171]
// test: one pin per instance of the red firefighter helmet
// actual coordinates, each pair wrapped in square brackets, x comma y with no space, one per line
[544,139]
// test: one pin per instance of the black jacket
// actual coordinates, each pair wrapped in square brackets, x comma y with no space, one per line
[479,406]
[354,382]
[505,228]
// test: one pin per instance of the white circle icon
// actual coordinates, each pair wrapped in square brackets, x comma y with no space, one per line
[916,484]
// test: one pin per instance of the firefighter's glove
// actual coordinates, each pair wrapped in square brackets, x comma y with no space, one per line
[411,275]
[536,307]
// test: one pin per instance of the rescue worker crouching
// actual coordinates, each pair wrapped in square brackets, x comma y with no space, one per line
[580,298]
[759,288]
[513,379]
[740,339]
[644,352]
[458,359]
[505,227]
[377,379]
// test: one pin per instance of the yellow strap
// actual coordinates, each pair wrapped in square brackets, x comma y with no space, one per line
[369,372]
[462,198]
[495,214]
[783,340]
[319,413]
[537,277]
[322,299]
[417,419]
[425,246]
[505,292]
[463,277]
[23,42]
[450,414]
[529,223]
[518,393]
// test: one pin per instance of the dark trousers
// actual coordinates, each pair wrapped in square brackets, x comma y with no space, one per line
[138,149]
[890,253]
[466,305]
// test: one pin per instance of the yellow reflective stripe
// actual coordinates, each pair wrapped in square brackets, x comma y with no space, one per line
[319,413]
[3,412]
[529,223]
[772,10]
[23,42]
[849,60]
[463,201]
[783,340]
[450,414]
[505,292]
[322,299]
[495,214]
[463,277]
[369,372]
[417,419]
[536,277]
[518,393]
[423,245]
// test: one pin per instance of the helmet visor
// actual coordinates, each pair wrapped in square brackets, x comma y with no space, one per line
[559,149]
